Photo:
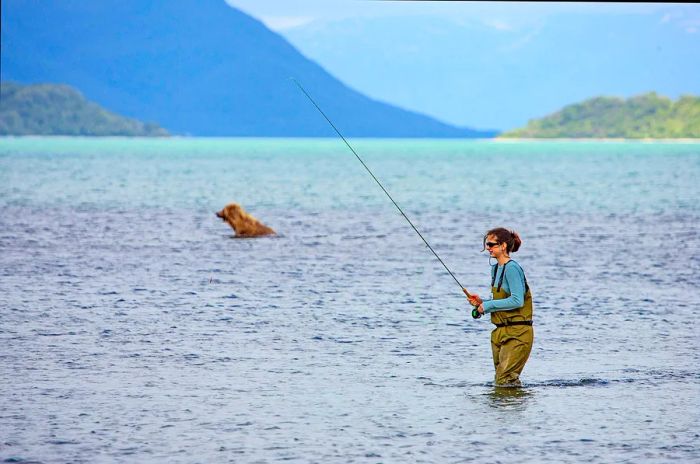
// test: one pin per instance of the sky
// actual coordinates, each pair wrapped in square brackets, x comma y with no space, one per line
[493,65]
[282,15]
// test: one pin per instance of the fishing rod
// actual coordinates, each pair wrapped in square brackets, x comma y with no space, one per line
[475,313]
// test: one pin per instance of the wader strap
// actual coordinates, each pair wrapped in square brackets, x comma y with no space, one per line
[506,324]
[503,273]
[500,282]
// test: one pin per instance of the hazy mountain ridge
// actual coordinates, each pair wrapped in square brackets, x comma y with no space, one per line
[502,74]
[197,67]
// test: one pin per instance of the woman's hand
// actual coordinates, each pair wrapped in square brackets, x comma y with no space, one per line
[480,308]
[475,300]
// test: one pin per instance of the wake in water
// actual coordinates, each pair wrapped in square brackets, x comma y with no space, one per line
[644,377]
[585,382]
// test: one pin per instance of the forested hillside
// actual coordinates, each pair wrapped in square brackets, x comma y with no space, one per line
[53,109]
[644,116]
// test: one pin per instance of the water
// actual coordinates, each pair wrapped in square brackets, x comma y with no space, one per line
[134,329]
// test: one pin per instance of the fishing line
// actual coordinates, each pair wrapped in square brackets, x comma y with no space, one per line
[378,183]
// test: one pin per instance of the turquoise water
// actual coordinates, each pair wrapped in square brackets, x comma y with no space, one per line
[135,329]
[472,176]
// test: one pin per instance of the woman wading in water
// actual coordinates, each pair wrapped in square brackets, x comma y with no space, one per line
[510,308]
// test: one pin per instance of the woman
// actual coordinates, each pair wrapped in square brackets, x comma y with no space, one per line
[510,308]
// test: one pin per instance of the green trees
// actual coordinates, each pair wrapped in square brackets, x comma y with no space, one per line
[52,109]
[643,116]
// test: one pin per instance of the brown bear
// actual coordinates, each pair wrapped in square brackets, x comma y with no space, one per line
[243,223]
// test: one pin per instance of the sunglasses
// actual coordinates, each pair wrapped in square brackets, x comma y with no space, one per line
[490,244]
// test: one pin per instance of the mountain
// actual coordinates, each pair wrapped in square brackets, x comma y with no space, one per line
[198,67]
[50,109]
[643,116]
[500,70]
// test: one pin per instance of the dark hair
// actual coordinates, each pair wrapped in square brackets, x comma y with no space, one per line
[503,235]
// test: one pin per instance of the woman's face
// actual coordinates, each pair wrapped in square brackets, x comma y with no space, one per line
[496,251]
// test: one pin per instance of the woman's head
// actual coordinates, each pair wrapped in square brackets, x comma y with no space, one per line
[502,241]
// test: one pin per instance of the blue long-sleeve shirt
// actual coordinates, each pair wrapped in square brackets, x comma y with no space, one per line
[513,283]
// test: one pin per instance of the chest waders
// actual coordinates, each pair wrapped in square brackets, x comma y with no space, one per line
[511,340]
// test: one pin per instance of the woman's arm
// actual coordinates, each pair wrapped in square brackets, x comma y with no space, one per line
[516,285]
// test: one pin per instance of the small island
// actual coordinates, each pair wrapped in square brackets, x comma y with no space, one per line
[56,109]
[647,116]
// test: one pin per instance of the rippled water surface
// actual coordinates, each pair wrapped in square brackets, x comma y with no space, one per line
[135,329]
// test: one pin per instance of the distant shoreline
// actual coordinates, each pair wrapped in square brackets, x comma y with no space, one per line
[415,139]
[594,139]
